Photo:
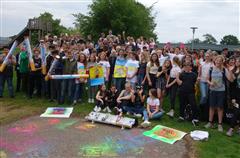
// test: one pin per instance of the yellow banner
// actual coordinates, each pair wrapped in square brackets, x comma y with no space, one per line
[96,72]
[120,71]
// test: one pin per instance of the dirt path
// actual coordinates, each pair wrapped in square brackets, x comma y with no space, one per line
[37,137]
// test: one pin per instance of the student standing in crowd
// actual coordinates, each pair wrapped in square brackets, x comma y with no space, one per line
[217,83]
[68,85]
[186,81]
[152,69]
[91,89]
[7,74]
[35,76]
[172,84]
[203,72]
[103,61]
[132,66]
[79,82]
[162,76]
[23,63]
[235,99]
[141,75]
[119,69]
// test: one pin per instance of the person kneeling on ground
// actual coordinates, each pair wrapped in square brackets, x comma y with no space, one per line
[101,100]
[153,108]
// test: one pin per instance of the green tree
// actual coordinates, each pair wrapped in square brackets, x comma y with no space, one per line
[57,28]
[195,41]
[230,40]
[209,39]
[118,15]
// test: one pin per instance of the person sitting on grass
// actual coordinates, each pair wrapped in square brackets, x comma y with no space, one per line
[153,110]
[137,99]
[101,100]
[124,99]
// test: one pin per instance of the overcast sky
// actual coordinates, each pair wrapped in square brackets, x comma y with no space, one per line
[173,17]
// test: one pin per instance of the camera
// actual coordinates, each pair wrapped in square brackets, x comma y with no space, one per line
[139,87]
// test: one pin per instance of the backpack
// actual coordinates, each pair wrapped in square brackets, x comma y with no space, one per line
[223,74]
[188,112]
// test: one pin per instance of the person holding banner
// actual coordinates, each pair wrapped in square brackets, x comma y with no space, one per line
[120,71]
[69,67]
[81,68]
[91,88]
[106,66]
[7,73]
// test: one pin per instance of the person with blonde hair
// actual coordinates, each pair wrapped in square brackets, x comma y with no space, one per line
[217,78]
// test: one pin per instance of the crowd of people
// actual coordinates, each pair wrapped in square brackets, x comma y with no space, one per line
[152,75]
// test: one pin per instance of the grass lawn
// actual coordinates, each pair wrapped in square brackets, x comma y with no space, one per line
[218,145]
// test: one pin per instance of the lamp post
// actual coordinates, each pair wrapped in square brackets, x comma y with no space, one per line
[193,30]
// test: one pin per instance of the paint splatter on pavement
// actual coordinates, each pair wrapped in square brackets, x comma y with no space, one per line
[73,138]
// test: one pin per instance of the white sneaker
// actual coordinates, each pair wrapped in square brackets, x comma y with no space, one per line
[108,110]
[92,101]
[171,113]
[95,109]
[145,124]
[89,100]
[138,115]
[220,128]
[105,109]
[99,109]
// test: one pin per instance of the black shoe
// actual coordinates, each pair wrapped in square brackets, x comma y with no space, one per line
[1,96]
[12,96]
[50,100]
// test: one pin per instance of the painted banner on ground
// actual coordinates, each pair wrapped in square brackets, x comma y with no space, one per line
[60,112]
[96,75]
[120,70]
[165,134]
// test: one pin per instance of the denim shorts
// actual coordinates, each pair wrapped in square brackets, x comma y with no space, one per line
[217,99]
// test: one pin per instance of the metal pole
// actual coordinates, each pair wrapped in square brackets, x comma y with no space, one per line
[193,30]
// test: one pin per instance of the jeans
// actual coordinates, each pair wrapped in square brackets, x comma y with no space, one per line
[67,85]
[119,83]
[204,92]
[9,80]
[55,89]
[140,78]
[78,91]
[157,115]
[35,80]
[92,90]
[135,109]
